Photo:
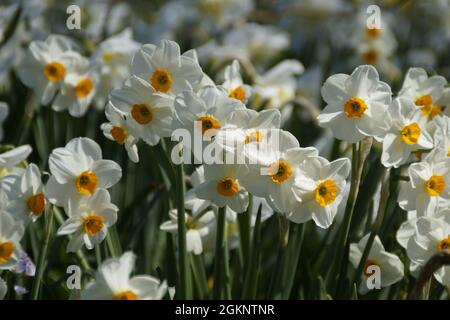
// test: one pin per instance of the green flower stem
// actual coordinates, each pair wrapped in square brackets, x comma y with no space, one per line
[376,225]
[183,289]
[48,230]
[221,279]
[252,271]
[198,271]
[98,254]
[244,221]
[358,158]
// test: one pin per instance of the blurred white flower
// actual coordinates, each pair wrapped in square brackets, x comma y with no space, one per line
[11,232]
[278,85]
[391,267]
[165,68]
[10,160]
[356,104]
[118,129]
[319,190]
[113,58]
[28,195]
[405,135]
[46,65]
[149,113]
[89,220]
[113,281]
[234,84]
[78,171]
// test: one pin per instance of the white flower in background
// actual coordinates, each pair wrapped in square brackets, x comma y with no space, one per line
[247,126]
[11,232]
[319,190]
[218,14]
[279,84]
[357,104]
[29,199]
[442,137]
[113,281]
[234,84]
[430,236]
[113,58]
[149,112]
[118,129]
[89,220]
[46,65]
[198,226]
[10,160]
[191,201]
[204,113]
[429,186]
[273,167]
[77,90]
[4,112]
[165,68]
[405,135]
[3,289]
[223,186]
[424,91]
[391,267]
[78,171]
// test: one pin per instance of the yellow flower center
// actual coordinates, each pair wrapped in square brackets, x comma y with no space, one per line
[125,295]
[372,33]
[444,244]
[54,71]
[108,56]
[83,88]
[325,193]
[86,182]
[410,134]
[142,113]
[227,187]
[209,122]
[238,93]
[119,134]
[418,154]
[370,262]
[424,100]
[370,56]
[435,186]
[6,251]
[92,224]
[36,203]
[431,110]
[448,154]
[254,136]
[355,107]
[161,80]
[280,171]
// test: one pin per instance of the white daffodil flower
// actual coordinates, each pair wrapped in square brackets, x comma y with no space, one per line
[430,236]
[428,188]
[198,226]
[113,281]
[149,112]
[319,190]
[405,135]
[113,58]
[234,84]
[357,104]
[78,171]
[29,199]
[191,201]
[89,220]
[424,91]
[11,232]
[46,66]
[273,167]
[223,186]
[278,85]
[442,137]
[4,112]
[10,160]
[77,90]
[391,267]
[165,68]
[118,129]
